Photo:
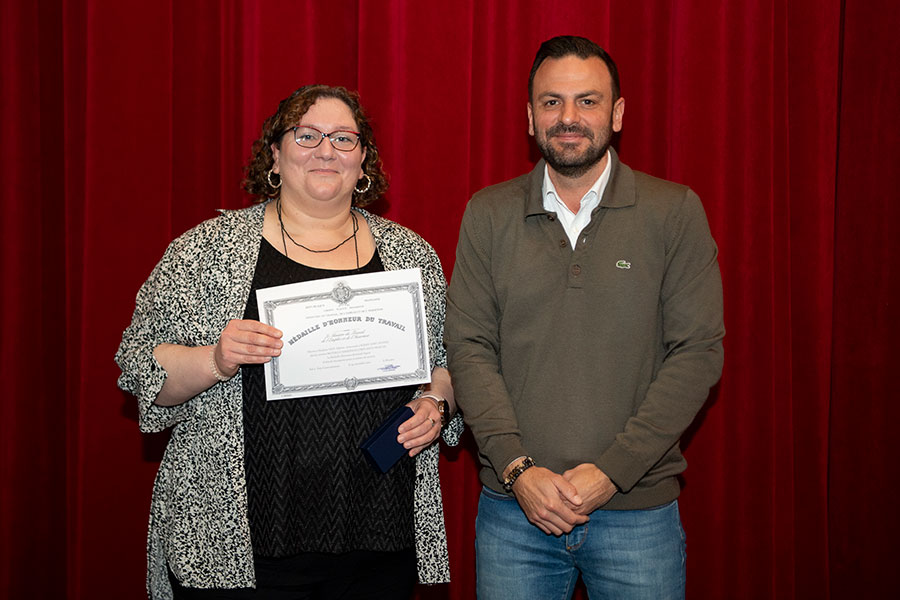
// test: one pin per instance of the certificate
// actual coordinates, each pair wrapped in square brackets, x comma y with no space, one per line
[341,334]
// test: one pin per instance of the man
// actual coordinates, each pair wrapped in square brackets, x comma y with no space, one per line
[584,330]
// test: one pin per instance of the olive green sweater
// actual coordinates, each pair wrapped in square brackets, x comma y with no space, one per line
[599,354]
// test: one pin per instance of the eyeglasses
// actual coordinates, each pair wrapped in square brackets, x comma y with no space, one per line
[310,137]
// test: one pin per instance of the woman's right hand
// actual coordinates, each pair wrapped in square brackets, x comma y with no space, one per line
[188,368]
[245,342]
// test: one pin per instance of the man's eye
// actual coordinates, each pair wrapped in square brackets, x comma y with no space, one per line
[551,102]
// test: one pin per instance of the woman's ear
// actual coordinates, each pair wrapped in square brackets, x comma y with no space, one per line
[276,152]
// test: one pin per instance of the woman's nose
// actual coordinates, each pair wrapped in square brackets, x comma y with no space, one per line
[325,149]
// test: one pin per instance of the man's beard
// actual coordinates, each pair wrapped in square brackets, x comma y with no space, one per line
[567,162]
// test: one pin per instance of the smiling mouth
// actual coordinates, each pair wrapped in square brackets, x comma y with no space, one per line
[569,133]
[570,139]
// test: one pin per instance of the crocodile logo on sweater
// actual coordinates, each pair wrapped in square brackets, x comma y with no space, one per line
[623,264]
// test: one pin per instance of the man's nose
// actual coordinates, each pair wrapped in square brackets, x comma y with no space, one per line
[569,113]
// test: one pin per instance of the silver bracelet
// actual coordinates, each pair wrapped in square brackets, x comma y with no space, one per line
[434,397]
[215,370]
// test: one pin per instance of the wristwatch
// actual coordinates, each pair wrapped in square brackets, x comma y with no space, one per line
[441,404]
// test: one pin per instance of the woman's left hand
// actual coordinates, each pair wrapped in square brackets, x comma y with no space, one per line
[423,428]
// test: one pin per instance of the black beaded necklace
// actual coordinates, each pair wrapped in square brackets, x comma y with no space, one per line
[352,236]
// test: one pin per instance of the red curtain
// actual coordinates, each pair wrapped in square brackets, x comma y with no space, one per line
[125,124]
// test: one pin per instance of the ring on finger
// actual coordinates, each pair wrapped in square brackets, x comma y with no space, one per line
[432,421]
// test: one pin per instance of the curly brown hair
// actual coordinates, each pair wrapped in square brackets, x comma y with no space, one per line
[290,111]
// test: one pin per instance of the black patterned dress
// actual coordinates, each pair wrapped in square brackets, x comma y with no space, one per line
[309,486]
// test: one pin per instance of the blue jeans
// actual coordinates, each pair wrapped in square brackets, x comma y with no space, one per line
[620,554]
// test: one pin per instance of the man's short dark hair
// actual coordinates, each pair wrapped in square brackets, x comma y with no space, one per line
[572,45]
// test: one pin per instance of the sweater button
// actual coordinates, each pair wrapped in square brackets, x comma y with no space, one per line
[551,216]
[562,243]
[576,270]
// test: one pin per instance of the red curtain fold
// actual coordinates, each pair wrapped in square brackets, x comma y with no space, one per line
[123,126]
[862,477]
[32,413]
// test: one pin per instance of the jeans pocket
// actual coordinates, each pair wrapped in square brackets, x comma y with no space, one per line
[494,495]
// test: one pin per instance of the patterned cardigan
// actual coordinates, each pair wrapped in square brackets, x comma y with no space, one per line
[198,516]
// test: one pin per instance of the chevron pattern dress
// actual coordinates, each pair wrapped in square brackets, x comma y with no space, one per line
[309,487]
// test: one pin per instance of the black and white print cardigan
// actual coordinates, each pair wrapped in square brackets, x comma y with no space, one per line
[198,515]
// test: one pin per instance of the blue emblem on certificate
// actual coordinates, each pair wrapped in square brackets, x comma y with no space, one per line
[349,333]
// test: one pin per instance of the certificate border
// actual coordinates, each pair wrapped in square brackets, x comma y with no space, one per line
[341,293]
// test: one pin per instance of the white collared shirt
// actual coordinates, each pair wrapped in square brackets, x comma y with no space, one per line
[574,223]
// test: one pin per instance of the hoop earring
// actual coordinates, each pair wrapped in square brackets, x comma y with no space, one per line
[368,185]
[269,179]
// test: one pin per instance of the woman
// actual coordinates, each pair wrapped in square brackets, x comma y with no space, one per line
[255,496]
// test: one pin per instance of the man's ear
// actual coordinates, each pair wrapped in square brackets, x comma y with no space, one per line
[530,112]
[618,113]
